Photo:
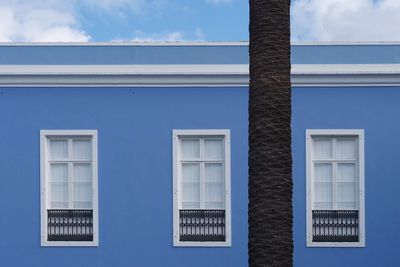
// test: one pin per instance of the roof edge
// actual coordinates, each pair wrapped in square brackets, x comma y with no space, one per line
[236,43]
[199,43]
[345,43]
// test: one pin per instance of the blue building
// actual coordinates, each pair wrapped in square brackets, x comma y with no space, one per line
[136,154]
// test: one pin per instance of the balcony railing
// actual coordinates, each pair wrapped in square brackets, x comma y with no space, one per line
[202,225]
[335,225]
[69,225]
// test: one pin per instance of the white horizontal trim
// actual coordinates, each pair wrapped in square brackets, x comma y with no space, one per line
[214,75]
[123,75]
[200,43]
[197,132]
[359,244]
[68,132]
[345,43]
[166,43]
[344,75]
[349,132]
[165,69]
[202,244]
[46,243]
[347,69]
[192,69]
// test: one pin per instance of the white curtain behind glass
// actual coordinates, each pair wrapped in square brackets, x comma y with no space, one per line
[190,185]
[82,186]
[202,173]
[70,173]
[59,185]
[335,173]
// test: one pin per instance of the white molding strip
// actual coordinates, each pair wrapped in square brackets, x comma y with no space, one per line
[345,75]
[166,43]
[218,75]
[199,43]
[344,43]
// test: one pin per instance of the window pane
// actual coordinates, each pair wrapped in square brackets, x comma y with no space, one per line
[346,195]
[323,172]
[214,172]
[214,205]
[59,195]
[190,172]
[59,172]
[346,172]
[82,195]
[82,149]
[82,172]
[82,186]
[191,192]
[322,195]
[323,205]
[213,149]
[214,192]
[346,148]
[190,148]
[82,205]
[59,185]
[322,148]
[58,149]
[190,205]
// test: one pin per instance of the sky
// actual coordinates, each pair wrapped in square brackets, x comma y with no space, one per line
[190,20]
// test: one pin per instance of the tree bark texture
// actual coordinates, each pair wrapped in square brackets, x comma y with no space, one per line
[270,160]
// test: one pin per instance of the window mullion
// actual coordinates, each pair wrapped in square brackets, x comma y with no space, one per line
[202,172]
[334,172]
[70,174]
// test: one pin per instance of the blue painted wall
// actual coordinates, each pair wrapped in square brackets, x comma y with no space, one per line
[95,54]
[376,110]
[135,171]
[135,166]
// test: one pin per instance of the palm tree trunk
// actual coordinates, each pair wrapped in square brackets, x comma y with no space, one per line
[270,160]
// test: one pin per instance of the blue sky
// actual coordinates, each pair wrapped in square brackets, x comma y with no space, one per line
[190,20]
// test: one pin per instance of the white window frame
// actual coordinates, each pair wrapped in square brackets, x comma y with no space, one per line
[44,187]
[309,173]
[177,179]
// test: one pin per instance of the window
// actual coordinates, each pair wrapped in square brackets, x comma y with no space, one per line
[201,188]
[335,188]
[69,204]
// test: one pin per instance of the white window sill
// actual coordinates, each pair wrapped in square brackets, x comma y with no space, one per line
[360,244]
[201,244]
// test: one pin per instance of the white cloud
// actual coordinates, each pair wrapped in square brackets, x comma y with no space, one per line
[166,36]
[219,2]
[156,37]
[39,21]
[58,20]
[346,20]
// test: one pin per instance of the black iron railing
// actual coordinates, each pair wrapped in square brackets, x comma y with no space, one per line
[69,225]
[202,225]
[335,225]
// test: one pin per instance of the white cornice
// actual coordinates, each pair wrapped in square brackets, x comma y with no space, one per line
[123,75]
[202,43]
[345,43]
[229,75]
[198,69]
[344,75]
